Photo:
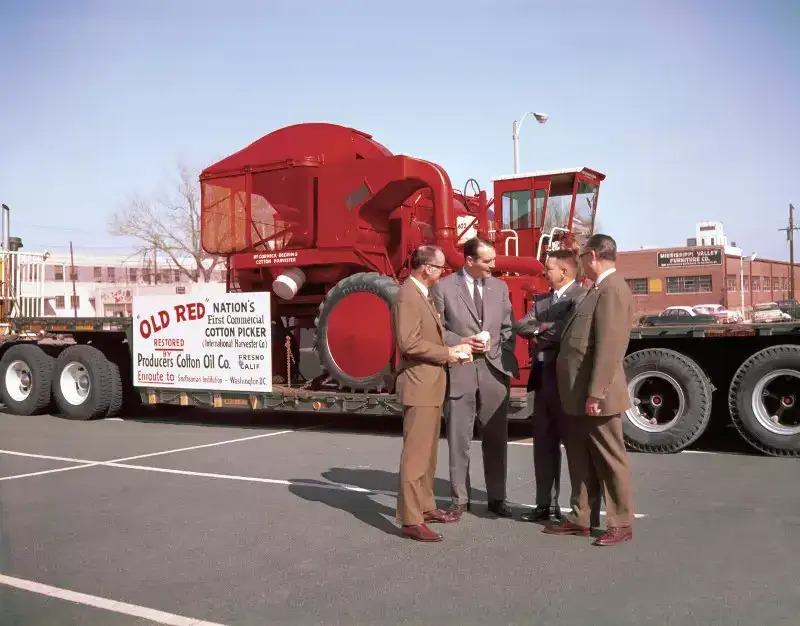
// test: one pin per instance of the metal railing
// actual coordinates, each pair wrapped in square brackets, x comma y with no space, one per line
[22,286]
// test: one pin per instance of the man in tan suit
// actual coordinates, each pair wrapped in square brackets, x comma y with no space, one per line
[594,393]
[420,386]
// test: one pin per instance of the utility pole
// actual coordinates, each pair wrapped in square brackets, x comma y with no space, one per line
[790,236]
[73,278]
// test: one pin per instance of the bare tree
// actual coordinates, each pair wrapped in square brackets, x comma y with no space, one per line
[169,224]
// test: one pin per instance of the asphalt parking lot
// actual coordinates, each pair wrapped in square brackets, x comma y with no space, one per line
[180,519]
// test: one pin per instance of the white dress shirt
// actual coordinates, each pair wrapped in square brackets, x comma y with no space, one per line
[422,287]
[603,275]
[560,292]
[471,283]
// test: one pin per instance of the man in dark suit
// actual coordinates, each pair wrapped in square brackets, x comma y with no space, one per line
[420,386]
[475,306]
[545,322]
[594,394]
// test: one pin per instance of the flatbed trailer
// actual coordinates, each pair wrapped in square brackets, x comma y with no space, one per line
[676,376]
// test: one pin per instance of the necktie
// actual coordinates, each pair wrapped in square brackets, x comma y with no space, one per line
[476,296]
[555,296]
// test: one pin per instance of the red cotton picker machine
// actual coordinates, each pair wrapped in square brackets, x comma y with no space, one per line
[326,218]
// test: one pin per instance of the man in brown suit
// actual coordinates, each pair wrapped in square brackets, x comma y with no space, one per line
[594,393]
[420,386]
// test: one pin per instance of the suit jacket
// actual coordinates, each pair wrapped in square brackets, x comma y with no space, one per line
[554,314]
[421,379]
[456,306]
[593,344]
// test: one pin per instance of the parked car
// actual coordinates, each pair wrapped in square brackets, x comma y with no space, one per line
[677,315]
[723,315]
[791,307]
[767,312]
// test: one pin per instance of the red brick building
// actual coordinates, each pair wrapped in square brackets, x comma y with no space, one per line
[693,275]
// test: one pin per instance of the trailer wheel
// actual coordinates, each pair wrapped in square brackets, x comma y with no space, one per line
[764,400]
[354,331]
[82,384]
[115,404]
[670,401]
[26,374]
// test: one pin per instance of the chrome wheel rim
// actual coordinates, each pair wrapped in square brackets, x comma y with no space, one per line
[776,402]
[657,401]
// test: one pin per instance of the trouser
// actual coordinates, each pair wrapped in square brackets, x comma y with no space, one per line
[421,425]
[489,401]
[549,425]
[598,465]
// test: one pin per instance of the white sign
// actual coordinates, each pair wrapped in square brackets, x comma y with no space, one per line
[218,342]
[462,221]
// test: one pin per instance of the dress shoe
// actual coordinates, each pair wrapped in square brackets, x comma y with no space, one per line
[499,508]
[566,528]
[457,510]
[539,514]
[440,516]
[420,532]
[614,535]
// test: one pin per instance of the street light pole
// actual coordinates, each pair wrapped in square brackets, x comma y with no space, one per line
[741,278]
[516,127]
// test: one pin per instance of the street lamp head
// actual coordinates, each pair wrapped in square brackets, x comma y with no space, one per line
[541,117]
[5,206]
[753,256]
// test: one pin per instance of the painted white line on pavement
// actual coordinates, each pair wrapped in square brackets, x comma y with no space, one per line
[250,479]
[205,445]
[50,471]
[159,617]
[45,456]
[86,463]
[568,510]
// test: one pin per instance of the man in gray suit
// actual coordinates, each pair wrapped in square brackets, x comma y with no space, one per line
[545,323]
[472,301]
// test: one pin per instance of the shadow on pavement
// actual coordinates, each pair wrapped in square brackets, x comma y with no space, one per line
[360,504]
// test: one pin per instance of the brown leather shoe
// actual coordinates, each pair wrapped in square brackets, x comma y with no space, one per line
[566,528]
[614,535]
[457,510]
[420,532]
[440,516]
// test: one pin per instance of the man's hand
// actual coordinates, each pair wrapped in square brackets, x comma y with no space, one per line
[592,406]
[475,343]
[455,357]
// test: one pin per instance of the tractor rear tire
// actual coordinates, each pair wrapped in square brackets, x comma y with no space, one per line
[355,344]
[664,380]
[26,374]
[764,400]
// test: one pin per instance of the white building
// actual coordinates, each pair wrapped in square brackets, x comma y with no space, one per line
[712,234]
[104,285]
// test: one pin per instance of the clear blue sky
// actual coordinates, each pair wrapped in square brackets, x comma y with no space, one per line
[689,107]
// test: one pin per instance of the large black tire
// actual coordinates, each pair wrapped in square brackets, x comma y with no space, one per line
[767,386]
[26,374]
[365,282]
[82,385]
[115,405]
[664,381]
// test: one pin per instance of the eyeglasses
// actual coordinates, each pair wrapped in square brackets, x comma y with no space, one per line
[583,254]
[438,267]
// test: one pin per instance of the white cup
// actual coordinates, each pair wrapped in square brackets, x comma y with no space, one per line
[484,336]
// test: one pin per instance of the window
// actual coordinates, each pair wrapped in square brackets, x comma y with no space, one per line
[59,302]
[756,283]
[111,274]
[132,274]
[176,275]
[98,273]
[688,284]
[733,283]
[59,275]
[517,209]
[146,275]
[776,283]
[638,286]
[747,283]
[74,302]
[785,283]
